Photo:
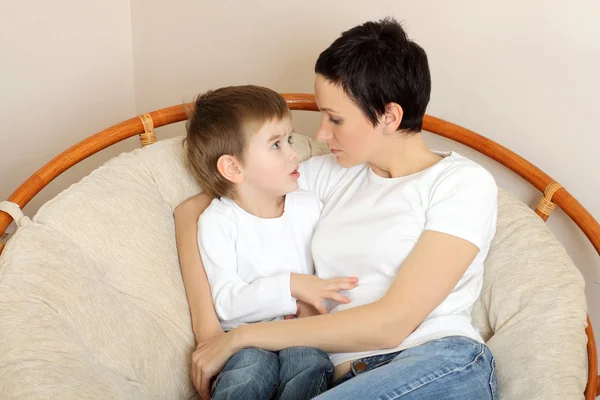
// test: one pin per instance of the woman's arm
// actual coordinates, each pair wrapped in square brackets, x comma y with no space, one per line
[425,279]
[205,323]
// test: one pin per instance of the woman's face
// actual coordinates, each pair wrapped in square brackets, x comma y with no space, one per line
[345,128]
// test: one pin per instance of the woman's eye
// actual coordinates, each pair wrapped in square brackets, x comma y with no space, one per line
[335,121]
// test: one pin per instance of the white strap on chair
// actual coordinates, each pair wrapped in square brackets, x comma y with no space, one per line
[15,212]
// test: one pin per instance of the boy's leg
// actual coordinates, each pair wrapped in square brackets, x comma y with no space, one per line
[304,373]
[250,374]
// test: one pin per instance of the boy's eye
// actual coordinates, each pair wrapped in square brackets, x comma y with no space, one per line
[275,145]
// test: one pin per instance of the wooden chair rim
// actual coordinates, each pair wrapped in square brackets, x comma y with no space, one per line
[144,125]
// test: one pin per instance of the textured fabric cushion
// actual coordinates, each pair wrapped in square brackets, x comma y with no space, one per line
[118,293]
[92,304]
[533,309]
[63,334]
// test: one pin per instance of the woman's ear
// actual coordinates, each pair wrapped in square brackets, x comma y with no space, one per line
[392,117]
[230,168]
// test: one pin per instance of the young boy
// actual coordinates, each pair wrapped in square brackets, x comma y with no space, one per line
[255,238]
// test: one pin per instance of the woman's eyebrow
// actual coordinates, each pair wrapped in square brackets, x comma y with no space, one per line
[329,110]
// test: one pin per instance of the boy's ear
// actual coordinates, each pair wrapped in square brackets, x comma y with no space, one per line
[230,168]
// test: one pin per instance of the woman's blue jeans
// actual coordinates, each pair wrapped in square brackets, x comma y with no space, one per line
[450,368]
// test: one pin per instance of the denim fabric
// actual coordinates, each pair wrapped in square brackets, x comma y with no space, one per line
[304,373]
[450,368]
[297,373]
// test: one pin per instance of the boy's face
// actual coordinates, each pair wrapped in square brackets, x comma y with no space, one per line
[270,162]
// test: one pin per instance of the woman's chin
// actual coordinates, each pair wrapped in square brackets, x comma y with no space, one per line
[346,161]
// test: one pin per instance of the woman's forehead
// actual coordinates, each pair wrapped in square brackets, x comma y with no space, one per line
[329,95]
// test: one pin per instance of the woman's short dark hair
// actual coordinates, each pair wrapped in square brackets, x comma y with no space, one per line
[376,64]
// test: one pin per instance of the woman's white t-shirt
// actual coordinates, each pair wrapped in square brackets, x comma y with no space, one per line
[369,225]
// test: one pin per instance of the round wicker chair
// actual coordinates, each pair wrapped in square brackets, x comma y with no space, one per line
[143,125]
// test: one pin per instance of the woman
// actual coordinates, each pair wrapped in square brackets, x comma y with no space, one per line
[413,225]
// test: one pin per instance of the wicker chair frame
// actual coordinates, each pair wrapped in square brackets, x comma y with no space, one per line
[143,125]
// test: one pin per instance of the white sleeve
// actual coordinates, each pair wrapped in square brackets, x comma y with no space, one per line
[320,175]
[464,203]
[235,300]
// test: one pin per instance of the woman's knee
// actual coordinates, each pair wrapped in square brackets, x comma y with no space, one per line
[455,366]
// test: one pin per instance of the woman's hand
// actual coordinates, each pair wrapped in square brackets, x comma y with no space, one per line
[313,290]
[209,359]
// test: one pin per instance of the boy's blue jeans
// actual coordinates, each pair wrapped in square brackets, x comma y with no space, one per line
[296,373]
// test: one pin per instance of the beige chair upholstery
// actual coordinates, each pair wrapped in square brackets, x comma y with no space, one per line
[92,305]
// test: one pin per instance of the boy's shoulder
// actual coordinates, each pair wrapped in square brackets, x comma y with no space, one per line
[219,211]
[217,223]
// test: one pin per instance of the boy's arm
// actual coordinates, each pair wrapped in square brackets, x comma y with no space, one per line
[205,323]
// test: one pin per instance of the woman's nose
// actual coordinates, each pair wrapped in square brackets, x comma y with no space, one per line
[324,133]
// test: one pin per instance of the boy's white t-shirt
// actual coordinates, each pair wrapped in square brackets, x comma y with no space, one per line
[248,260]
[370,224]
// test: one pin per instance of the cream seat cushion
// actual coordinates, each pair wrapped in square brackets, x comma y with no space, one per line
[92,305]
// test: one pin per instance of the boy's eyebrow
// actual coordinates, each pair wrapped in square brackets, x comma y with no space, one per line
[276,136]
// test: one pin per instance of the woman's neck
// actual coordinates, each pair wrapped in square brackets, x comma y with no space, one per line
[403,155]
[258,203]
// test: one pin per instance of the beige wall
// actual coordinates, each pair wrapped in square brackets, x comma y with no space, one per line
[65,72]
[522,73]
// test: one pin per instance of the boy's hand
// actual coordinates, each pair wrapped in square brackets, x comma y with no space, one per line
[304,310]
[313,290]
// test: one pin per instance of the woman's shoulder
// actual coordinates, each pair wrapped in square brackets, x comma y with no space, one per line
[322,174]
[327,162]
[301,195]
[324,161]
[456,169]
[462,200]
[459,185]
[303,199]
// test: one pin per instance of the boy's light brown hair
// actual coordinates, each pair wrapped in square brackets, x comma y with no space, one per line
[221,123]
